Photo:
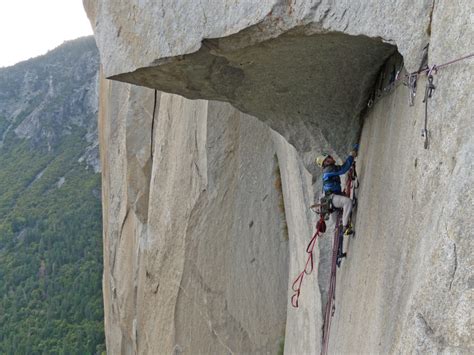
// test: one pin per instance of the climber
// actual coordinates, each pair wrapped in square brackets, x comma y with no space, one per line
[332,184]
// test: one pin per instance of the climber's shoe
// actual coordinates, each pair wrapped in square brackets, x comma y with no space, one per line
[339,259]
[348,230]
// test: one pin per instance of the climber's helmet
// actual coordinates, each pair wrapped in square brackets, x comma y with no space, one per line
[321,159]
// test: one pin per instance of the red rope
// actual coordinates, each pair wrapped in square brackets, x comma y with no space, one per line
[330,306]
[309,266]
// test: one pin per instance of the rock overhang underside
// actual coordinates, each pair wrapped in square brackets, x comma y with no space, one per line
[308,74]
[307,87]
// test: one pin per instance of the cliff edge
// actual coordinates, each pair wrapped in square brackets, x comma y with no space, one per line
[208,132]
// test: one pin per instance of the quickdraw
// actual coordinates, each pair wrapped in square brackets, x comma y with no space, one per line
[428,93]
[410,80]
[411,83]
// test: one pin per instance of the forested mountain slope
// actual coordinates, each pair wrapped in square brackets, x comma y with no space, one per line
[50,212]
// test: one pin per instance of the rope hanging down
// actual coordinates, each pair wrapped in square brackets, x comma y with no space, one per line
[308,268]
[330,305]
[411,79]
[320,229]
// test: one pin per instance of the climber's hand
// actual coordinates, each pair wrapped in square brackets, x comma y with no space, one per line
[354,151]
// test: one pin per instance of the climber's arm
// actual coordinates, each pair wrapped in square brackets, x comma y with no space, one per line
[344,168]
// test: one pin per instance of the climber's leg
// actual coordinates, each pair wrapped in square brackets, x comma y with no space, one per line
[345,203]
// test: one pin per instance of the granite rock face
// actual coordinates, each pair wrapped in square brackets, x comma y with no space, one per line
[182,25]
[408,277]
[206,208]
[201,206]
[260,56]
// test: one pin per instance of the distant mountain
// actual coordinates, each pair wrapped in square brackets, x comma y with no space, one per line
[50,211]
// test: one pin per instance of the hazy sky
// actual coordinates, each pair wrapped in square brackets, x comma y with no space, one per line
[29,28]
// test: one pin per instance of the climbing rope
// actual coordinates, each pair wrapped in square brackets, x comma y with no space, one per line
[441,66]
[351,177]
[330,305]
[410,80]
[429,71]
[309,266]
[412,77]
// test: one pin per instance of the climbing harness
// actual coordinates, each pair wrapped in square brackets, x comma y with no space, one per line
[428,93]
[324,207]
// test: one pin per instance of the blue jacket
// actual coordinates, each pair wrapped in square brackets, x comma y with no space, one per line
[331,179]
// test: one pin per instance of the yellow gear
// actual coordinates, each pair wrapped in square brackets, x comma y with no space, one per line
[320,160]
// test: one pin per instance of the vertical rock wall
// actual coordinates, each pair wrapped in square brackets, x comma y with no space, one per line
[408,277]
[407,285]
[205,208]
[202,205]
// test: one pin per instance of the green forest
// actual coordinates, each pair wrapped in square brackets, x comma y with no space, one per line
[50,215]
